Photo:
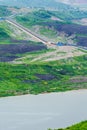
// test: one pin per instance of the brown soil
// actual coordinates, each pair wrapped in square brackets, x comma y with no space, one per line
[45,76]
[69,30]
[78,80]
[8,51]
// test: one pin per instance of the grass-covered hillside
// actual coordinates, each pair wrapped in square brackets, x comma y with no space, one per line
[25,66]
[35,78]
[14,43]
[79,126]
[56,25]
[9,34]
[4,32]
[68,15]
[24,70]
[29,67]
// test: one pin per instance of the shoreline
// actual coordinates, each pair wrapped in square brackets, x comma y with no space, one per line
[43,94]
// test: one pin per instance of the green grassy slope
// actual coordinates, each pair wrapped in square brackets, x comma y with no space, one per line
[79,126]
[9,32]
[56,25]
[41,15]
[4,33]
[37,78]
[34,78]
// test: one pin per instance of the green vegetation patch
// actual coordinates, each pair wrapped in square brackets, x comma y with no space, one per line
[48,32]
[4,28]
[79,126]
[57,24]
[4,33]
[34,18]
[37,78]
[41,14]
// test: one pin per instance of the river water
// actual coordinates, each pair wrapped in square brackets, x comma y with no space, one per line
[39,112]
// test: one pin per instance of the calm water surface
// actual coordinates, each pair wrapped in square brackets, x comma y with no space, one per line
[43,111]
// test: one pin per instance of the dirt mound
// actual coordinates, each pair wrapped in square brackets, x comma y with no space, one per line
[78,80]
[70,29]
[45,76]
[8,52]
[82,41]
